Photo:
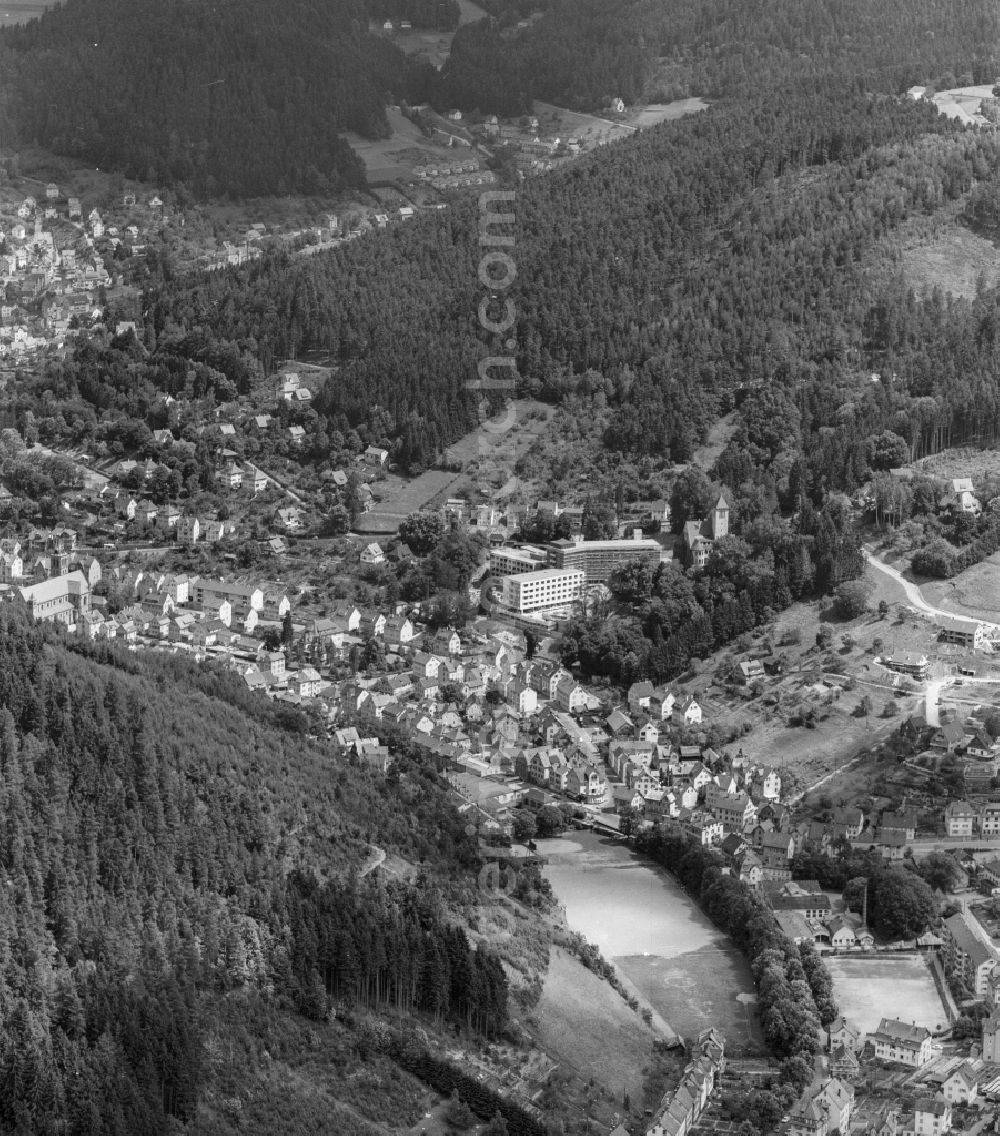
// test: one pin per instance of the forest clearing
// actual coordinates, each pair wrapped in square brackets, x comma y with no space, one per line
[394,157]
[954,260]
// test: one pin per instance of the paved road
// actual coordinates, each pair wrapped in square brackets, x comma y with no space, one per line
[914,596]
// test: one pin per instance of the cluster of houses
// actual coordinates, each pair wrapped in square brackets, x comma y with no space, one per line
[50,273]
[681,1108]
[939,1083]
[40,554]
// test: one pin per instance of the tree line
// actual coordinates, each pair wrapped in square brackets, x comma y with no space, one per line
[794,989]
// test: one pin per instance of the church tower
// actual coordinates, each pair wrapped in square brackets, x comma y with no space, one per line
[991,1038]
[720,519]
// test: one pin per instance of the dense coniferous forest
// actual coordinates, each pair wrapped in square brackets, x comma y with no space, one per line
[582,53]
[161,835]
[242,97]
[665,276]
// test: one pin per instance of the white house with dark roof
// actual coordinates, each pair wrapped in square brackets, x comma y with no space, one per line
[901,1042]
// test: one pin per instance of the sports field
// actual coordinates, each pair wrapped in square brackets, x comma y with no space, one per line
[902,986]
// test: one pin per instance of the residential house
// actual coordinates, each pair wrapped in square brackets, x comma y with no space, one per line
[372,554]
[570,696]
[823,1108]
[852,820]
[970,955]
[931,1116]
[688,710]
[375,456]
[844,1063]
[989,819]
[901,1042]
[902,822]
[242,597]
[737,813]
[707,829]
[188,530]
[587,784]
[775,850]
[961,1086]
[845,1035]
[960,818]
[639,694]
[289,518]
[948,737]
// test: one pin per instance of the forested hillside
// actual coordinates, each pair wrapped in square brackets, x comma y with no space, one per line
[663,275]
[581,53]
[242,97]
[164,840]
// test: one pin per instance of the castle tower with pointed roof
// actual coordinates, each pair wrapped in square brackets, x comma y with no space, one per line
[720,518]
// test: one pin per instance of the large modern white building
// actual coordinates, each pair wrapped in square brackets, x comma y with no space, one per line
[511,561]
[546,588]
[599,558]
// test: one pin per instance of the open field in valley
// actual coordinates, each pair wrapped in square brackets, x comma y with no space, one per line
[696,990]
[869,989]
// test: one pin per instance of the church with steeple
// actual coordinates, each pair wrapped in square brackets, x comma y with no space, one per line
[700,536]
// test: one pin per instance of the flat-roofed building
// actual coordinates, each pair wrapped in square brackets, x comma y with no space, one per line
[597,559]
[546,588]
[511,561]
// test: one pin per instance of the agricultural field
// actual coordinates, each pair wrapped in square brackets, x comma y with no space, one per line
[869,989]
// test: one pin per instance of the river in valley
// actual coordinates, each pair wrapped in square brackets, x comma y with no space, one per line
[642,920]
